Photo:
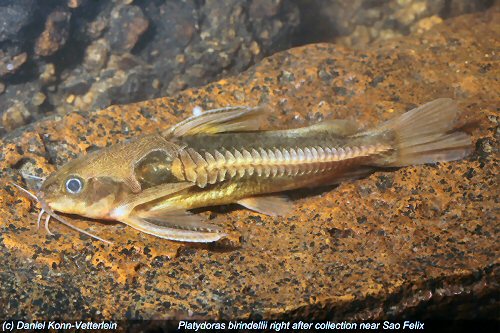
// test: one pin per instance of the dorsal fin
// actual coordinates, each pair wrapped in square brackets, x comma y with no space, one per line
[231,119]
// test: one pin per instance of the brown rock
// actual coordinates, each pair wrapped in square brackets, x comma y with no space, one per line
[38,99]
[357,23]
[128,23]
[48,74]
[15,116]
[10,65]
[415,241]
[426,24]
[55,34]
[96,55]
[75,3]
[96,27]
[264,8]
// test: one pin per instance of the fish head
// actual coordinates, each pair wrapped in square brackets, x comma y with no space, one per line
[96,183]
[75,189]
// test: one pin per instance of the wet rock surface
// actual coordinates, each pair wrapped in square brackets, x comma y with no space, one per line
[414,241]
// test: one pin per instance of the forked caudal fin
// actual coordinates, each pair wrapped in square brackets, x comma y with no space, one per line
[426,134]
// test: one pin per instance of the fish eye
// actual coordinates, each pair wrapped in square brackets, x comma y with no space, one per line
[74,185]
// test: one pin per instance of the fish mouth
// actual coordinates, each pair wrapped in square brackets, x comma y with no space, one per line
[45,208]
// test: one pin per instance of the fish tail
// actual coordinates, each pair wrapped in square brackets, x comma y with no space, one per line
[426,134]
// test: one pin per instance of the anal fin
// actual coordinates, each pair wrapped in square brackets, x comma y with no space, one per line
[273,205]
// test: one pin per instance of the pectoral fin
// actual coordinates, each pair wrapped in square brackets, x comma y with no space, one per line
[272,205]
[155,228]
[178,219]
[232,119]
[150,194]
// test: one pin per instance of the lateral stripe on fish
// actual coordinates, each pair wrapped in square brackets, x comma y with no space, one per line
[214,167]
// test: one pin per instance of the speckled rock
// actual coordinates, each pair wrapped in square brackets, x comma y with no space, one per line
[415,241]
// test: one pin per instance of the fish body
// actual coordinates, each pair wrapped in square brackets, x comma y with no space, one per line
[221,157]
[229,167]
